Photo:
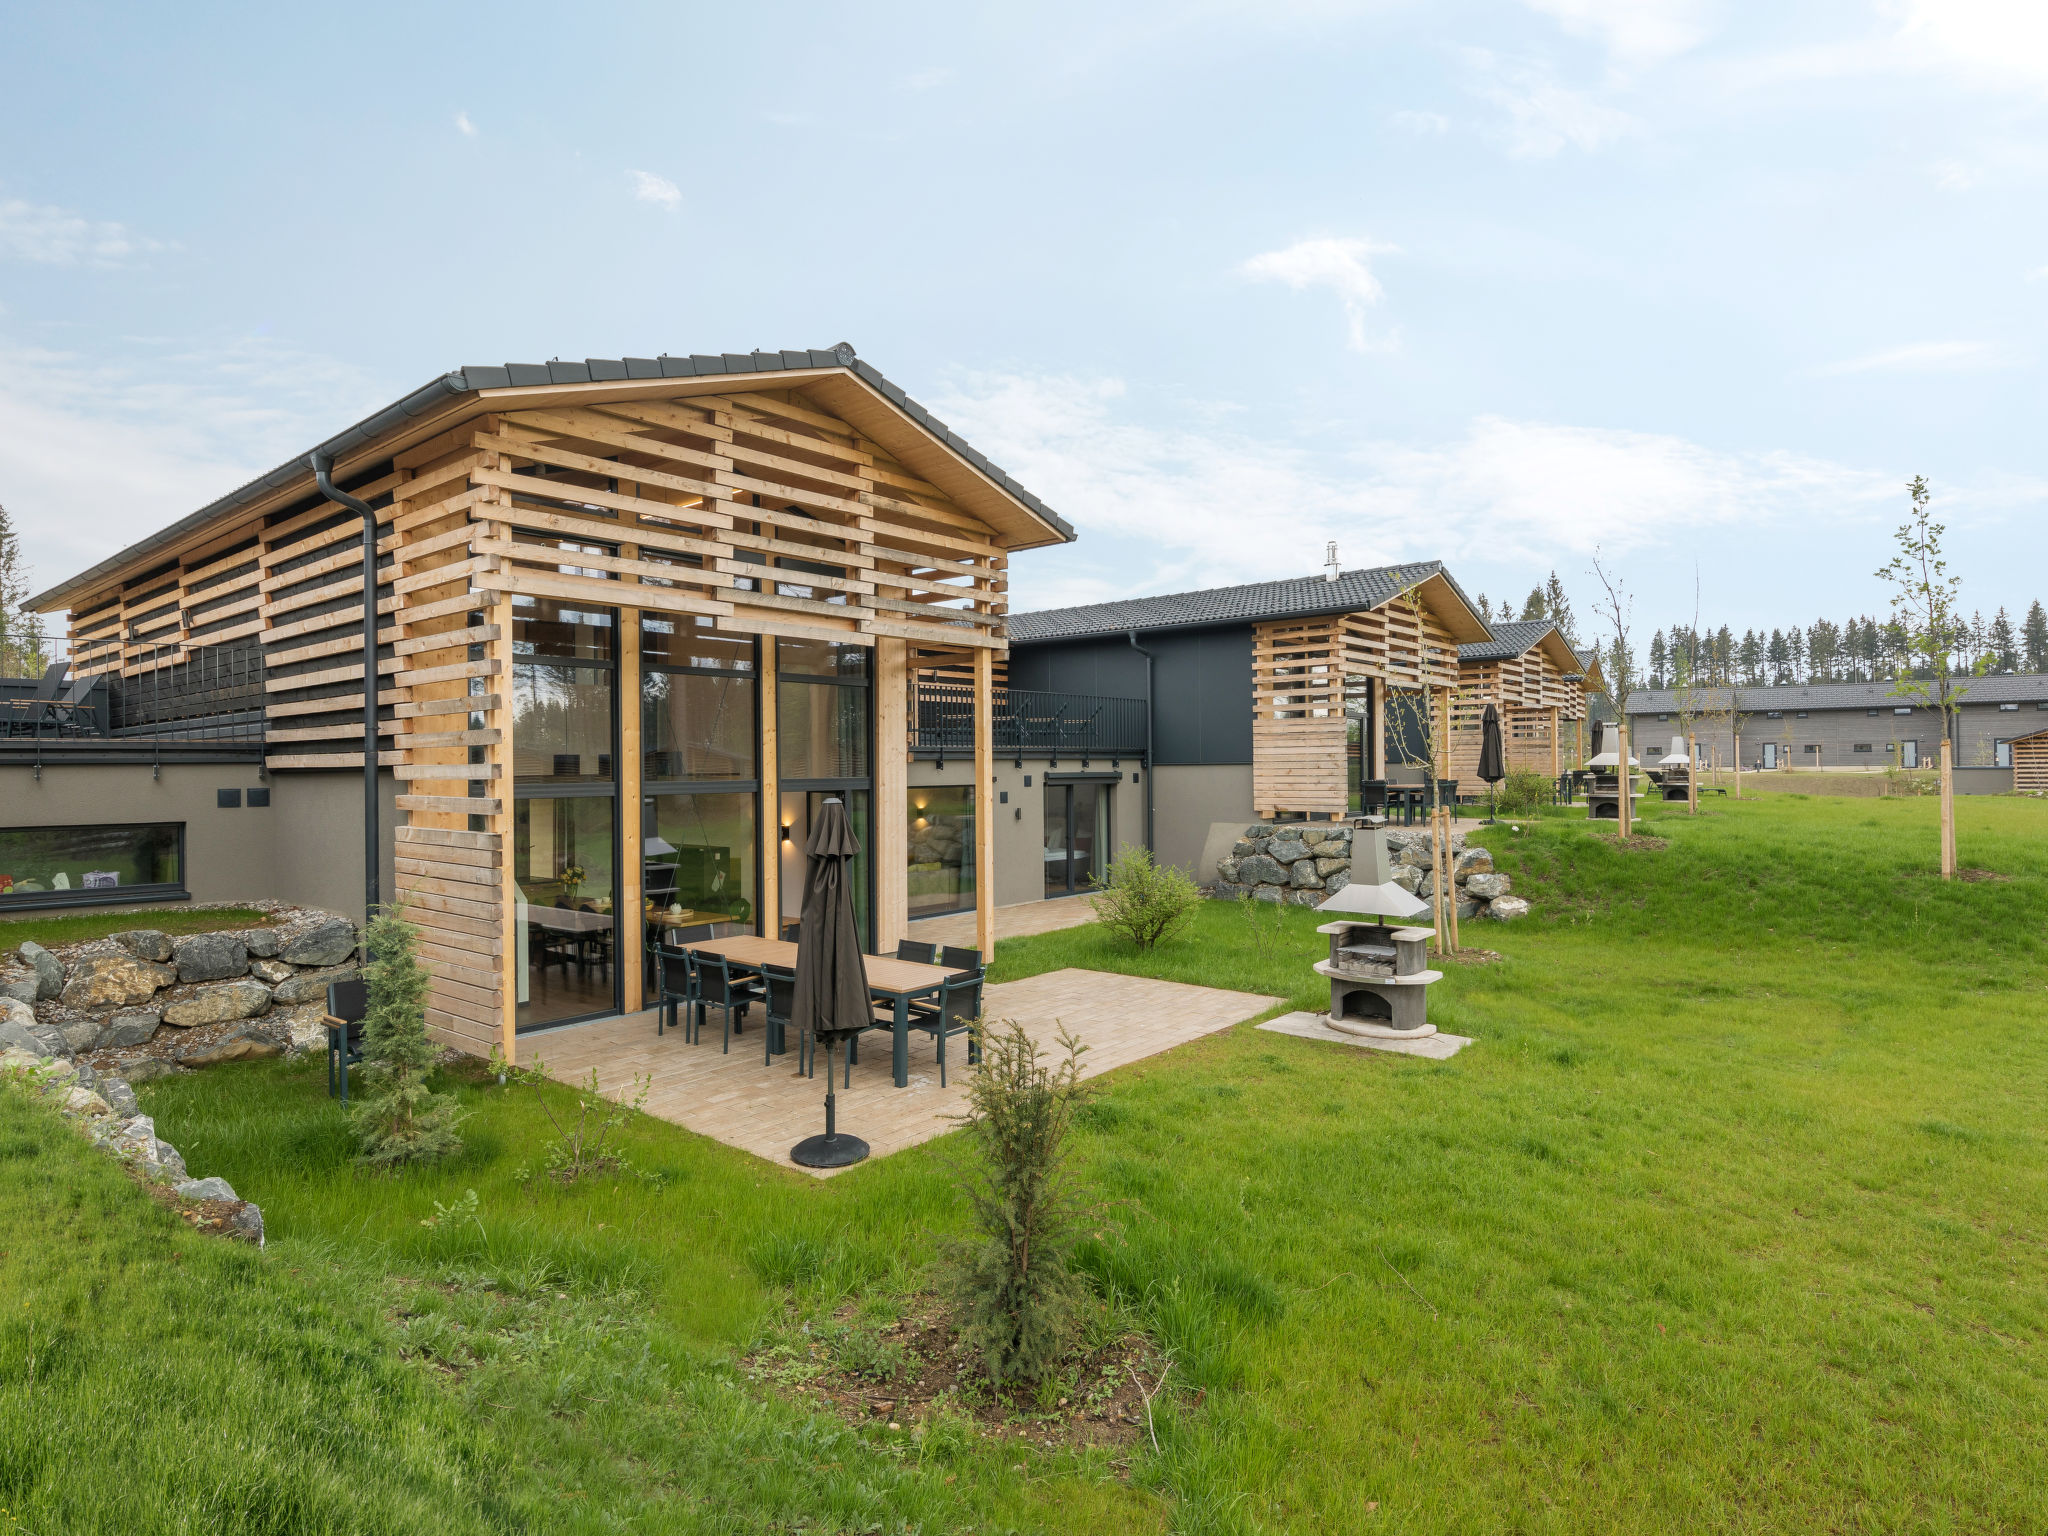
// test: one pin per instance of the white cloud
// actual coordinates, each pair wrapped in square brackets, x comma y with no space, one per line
[1339,265]
[2038,275]
[1999,41]
[1544,116]
[1206,507]
[52,236]
[1924,357]
[1633,31]
[1954,176]
[928,79]
[464,126]
[659,190]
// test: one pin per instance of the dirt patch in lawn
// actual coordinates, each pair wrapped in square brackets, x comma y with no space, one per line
[1642,842]
[907,1374]
[1473,956]
[1980,876]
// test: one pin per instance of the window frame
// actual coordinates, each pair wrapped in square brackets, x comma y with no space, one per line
[103,896]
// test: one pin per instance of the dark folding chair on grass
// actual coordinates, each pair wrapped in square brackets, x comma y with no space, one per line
[347,1002]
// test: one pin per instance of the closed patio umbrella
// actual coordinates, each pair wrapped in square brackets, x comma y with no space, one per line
[831,999]
[1492,757]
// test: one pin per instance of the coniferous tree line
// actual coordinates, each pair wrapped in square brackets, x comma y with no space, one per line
[1858,650]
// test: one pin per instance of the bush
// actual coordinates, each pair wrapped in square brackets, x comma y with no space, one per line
[1520,793]
[400,1119]
[1018,1296]
[1145,901]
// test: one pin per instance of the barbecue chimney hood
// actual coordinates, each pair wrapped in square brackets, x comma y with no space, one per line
[1372,891]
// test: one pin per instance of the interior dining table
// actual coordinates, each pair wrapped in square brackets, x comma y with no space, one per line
[893,981]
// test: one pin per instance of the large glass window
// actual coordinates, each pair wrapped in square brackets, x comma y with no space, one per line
[680,640]
[696,725]
[699,859]
[53,866]
[800,810]
[565,885]
[821,730]
[563,666]
[941,849]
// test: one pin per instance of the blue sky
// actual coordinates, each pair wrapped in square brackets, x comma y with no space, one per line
[1697,284]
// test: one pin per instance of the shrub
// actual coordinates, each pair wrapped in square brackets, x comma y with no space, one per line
[587,1142]
[1521,792]
[399,1119]
[1018,1296]
[1143,900]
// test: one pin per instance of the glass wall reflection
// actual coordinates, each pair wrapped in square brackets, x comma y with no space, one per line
[565,924]
[941,849]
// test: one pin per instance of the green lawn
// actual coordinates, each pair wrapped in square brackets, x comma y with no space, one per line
[1733,1219]
[76,927]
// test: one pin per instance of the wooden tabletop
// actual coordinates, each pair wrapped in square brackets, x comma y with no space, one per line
[884,973]
[687,918]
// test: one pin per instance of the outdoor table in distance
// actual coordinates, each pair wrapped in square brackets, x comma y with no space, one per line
[897,982]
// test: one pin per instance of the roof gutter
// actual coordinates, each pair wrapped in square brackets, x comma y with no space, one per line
[1132,636]
[323,476]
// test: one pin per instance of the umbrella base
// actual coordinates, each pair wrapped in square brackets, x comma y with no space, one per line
[829,1151]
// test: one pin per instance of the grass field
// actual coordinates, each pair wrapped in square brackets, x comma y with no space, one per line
[1732,1219]
[76,927]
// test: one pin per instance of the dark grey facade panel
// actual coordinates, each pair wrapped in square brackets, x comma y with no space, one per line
[1203,683]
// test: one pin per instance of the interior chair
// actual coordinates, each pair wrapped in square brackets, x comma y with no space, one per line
[913,949]
[347,1002]
[718,988]
[957,1012]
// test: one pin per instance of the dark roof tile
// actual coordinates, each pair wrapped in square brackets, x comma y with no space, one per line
[1299,596]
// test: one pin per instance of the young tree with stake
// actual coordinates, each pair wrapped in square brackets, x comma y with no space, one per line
[1926,607]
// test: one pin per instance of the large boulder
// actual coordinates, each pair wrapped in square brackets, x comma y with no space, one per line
[119,1095]
[271,971]
[1268,893]
[211,957]
[1312,898]
[1243,848]
[130,1026]
[1226,871]
[114,981]
[1416,856]
[220,1003]
[243,1045]
[83,1101]
[1328,866]
[20,983]
[311,986]
[215,1188]
[78,1034]
[1487,886]
[1408,877]
[1474,861]
[1261,869]
[1506,909]
[260,942]
[48,968]
[328,942]
[145,943]
[17,1028]
[1287,849]
[1303,875]
[147,1069]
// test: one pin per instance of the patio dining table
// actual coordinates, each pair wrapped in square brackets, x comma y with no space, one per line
[897,982]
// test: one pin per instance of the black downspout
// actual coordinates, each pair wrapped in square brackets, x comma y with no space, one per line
[323,476]
[1150,767]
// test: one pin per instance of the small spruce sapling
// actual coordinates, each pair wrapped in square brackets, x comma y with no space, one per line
[1019,1299]
[399,1119]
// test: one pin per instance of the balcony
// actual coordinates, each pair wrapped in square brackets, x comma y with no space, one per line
[1027,723]
[208,699]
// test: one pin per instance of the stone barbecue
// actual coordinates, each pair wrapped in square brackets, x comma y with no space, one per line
[1603,794]
[1378,969]
[1674,772]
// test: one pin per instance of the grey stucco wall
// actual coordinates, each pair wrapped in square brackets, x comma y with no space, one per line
[227,852]
[1187,799]
[318,861]
[1838,732]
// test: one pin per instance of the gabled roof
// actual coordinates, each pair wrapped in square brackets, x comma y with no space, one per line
[442,401]
[2003,688]
[1297,597]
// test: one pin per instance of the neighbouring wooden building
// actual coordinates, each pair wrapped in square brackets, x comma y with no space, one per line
[1538,686]
[1266,700]
[637,619]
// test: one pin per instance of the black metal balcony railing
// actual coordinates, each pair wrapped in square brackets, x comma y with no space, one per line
[1027,722]
[210,693]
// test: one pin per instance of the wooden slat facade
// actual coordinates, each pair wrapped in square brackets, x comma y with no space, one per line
[719,503]
[1542,707]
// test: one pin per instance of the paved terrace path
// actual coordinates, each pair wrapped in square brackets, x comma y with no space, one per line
[766,1110]
[1026,917]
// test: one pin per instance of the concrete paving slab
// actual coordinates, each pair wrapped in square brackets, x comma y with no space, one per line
[1316,1026]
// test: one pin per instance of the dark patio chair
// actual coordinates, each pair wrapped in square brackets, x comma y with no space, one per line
[914,949]
[957,1012]
[1372,797]
[26,716]
[960,959]
[780,1004]
[792,930]
[676,976]
[347,1002]
[70,714]
[717,988]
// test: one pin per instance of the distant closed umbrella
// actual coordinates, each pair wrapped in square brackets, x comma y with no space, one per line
[1492,756]
[831,999]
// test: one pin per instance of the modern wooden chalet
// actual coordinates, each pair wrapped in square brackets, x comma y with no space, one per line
[637,619]
[1536,683]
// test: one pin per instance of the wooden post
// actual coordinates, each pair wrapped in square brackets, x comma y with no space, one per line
[771,797]
[985,803]
[629,918]
[1692,776]
[892,795]
[1625,812]
[506,824]
[1556,746]
[1735,760]
[1436,877]
[1377,768]
[1948,808]
[1450,882]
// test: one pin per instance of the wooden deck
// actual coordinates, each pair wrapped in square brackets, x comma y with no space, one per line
[768,1109]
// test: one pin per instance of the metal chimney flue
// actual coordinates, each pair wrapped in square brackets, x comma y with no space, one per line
[1330,561]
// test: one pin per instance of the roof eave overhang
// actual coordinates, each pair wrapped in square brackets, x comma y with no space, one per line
[449,400]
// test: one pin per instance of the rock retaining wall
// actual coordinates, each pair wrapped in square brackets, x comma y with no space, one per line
[1301,865]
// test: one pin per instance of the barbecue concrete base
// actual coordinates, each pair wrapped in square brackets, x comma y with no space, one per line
[1316,1026]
